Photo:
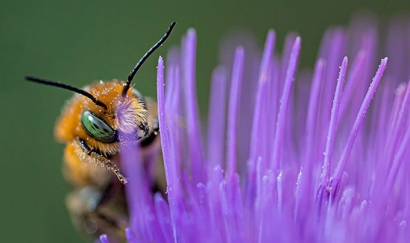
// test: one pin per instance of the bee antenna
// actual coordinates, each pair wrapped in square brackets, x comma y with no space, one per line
[145,57]
[65,86]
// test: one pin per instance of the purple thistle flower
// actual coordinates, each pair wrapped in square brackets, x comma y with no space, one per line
[317,157]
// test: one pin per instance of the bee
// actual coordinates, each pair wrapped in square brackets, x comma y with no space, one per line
[93,125]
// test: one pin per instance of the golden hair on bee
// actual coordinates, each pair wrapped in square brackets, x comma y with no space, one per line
[93,124]
[110,108]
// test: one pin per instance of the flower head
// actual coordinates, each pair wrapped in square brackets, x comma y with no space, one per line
[314,157]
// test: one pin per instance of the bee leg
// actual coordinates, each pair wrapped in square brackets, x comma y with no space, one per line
[106,224]
[116,171]
[105,208]
[84,146]
[106,162]
[97,223]
[106,194]
[95,211]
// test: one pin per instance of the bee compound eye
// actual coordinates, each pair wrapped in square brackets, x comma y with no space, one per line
[97,128]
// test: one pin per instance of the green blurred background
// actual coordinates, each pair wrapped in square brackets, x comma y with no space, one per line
[78,42]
